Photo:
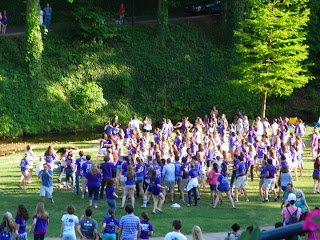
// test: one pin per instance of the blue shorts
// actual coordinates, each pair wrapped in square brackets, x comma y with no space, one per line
[213,188]
[284,188]
[139,180]
[223,189]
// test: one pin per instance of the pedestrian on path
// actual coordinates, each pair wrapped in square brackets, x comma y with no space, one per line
[47,15]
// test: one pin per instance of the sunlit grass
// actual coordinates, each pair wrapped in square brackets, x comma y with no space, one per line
[210,220]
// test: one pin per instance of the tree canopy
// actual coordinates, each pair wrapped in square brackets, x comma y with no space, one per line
[272,48]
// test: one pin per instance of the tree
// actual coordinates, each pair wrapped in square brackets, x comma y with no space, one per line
[272,48]
[162,19]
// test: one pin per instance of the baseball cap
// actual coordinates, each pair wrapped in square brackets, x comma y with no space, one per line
[292,197]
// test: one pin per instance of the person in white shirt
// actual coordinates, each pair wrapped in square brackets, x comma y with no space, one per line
[41,16]
[135,123]
[69,222]
[175,234]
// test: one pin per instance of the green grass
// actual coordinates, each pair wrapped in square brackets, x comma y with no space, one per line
[210,220]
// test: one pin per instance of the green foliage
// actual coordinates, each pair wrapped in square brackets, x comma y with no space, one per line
[34,46]
[256,234]
[88,22]
[271,48]
[88,98]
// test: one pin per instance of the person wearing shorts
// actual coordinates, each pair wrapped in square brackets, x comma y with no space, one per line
[270,181]
[46,188]
[168,174]
[241,180]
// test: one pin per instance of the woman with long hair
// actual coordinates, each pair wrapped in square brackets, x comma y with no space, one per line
[197,233]
[302,203]
[212,180]
[316,175]
[40,222]
[50,157]
[158,197]
[21,223]
[7,226]
[94,176]
[223,186]
[129,179]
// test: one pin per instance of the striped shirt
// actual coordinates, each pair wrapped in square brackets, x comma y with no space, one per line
[130,224]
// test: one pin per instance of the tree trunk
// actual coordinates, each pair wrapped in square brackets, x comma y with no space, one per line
[162,19]
[264,104]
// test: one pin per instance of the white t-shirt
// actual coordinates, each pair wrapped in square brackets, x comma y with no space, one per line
[135,124]
[274,127]
[41,17]
[39,167]
[175,236]
[69,223]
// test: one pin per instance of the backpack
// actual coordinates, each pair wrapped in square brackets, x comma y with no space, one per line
[293,217]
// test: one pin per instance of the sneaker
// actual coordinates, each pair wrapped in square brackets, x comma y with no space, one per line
[182,201]
[276,199]
[246,200]
[143,206]
[52,202]
[235,201]
[260,200]
[266,200]
[82,196]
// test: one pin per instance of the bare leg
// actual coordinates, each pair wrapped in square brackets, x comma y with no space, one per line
[124,196]
[132,197]
[217,199]
[230,199]
[155,203]
[236,195]
[161,201]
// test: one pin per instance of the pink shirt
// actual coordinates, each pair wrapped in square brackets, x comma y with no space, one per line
[286,215]
[212,177]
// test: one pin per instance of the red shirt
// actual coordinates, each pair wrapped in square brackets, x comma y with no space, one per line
[122,9]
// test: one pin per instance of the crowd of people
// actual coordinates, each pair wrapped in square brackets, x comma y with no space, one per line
[183,158]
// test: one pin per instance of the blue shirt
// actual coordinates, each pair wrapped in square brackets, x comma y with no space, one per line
[46,181]
[47,11]
[86,167]
[4,234]
[242,167]
[130,224]
[169,172]
[111,224]
[177,169]
[146,227]
[79,163]
[224,184]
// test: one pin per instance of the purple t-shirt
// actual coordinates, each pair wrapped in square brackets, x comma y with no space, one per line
[272,170]
[193,173]
[242,167]
[263,171]
[24,164]
[129,182]
[4,234]
[109,192]
[93,181]
[154,188]
[146,227]
[124,168]
[185,170]
[79,163]
[50,159]
[224,184]
[41,225]
[22,223]
[111,224]
[261,151]
[106,170]
[86,167]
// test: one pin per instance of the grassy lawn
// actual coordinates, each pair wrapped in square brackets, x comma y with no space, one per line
[210,220]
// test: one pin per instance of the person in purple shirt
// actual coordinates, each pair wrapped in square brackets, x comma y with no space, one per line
[269,183]
[223,186]
[140,173]
[50,157]
[109,226]
[185,168]
[241,180]
[234,171]
[146,227]
[106,169]
[93,177]
[70,169]
[111,196]
[85,169]
[123,170]
[21,223]
[263,170]
[79,172]
[40,222]
[24,167]
[157,195]
[7,226]
[129,179]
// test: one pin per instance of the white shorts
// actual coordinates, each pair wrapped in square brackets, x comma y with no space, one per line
[241,182]
[103,151]
[84,182]
[46,191]
[269,184]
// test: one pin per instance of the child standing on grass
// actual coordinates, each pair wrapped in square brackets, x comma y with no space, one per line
[7,226]
[146,227]
[24,164]
[69,221]
[21,223]
[40,222]
[109,226]
[111,195]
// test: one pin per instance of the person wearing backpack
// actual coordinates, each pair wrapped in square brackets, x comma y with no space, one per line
[291,213]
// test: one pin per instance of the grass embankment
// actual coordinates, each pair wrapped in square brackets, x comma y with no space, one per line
[208,219]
